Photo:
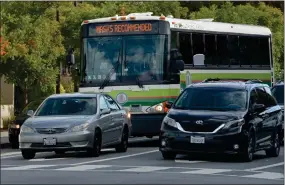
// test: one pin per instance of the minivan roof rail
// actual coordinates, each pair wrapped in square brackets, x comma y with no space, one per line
[231,80]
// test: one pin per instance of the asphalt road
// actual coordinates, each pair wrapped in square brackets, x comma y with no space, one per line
[142,163]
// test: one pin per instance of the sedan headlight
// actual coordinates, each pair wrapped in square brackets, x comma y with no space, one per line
[79,128]
[15,126]
[234,124]
[26,129]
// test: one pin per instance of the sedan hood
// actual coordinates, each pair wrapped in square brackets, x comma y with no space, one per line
[208,121]
[56,122]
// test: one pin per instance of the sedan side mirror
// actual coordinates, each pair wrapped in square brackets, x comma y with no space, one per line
[105,111]
[168,104]
[30,113]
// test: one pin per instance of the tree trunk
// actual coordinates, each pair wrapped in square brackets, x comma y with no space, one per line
[25,95]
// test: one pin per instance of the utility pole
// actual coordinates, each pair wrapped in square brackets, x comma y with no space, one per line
[59,73]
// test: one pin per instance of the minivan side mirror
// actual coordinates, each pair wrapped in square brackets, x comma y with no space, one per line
[30,113]
[258,107]
[168,104]
[105,111]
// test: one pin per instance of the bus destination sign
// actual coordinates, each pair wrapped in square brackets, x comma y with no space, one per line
[123,28]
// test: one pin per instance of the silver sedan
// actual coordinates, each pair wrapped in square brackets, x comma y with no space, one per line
[75,122]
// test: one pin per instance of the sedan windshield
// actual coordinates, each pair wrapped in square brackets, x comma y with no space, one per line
[278,93]
[68,106]
[216,99]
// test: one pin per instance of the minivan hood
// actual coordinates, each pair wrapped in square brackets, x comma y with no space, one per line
[56,121]
[211,119]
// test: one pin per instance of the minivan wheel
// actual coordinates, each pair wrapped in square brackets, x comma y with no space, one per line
[96,150]
[247,155]
[123,146]
[275,148]
[168,155]
[27,154]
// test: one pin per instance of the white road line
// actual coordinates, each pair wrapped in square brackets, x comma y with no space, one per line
[10,153]
[114,158]
[187,161]
[145,169]
[266,175]
[7,157]
[27,167]
[44,159]
[207,171]
[264,167]
[83,167]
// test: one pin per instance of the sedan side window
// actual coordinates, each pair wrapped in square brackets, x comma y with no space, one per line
[103,104]
[112,104]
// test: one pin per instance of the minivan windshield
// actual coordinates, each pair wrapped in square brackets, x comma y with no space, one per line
[68,106]
[278,93]
[216,99]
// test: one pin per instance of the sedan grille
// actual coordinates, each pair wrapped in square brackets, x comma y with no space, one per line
[50,130]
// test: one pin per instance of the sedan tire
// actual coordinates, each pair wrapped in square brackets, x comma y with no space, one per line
[123,146]
[96,150]
[28,154]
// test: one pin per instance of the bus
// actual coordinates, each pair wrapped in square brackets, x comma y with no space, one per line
[143,61]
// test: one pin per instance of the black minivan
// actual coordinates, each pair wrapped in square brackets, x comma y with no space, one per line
[238,117]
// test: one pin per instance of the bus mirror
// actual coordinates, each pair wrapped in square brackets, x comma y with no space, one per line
[179,64]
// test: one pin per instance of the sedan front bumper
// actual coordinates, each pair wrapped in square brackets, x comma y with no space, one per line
[64,141]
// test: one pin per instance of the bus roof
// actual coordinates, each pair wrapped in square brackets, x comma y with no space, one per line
[200,25]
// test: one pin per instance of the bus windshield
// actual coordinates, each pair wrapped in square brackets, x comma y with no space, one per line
[129,57]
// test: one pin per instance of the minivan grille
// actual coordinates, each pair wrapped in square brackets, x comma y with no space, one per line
[193,127]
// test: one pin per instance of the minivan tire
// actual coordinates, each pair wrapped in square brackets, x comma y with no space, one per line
[249,149]
[168,155]
[275,148]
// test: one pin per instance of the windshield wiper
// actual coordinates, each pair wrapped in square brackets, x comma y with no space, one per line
[108,77]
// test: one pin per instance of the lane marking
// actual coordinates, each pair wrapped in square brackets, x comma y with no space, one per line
[115,158]
[264,167]
[144,169]
[83,167]
[45,159]
[10,153]
[7,157]
[266,175]
[207,171]
[187,161]
[27,167]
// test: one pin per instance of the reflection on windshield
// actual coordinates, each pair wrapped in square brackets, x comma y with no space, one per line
[142,57]
[212,99]
[278,93]
[68,106]
[101,56]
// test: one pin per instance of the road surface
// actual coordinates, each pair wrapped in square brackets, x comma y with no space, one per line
[142,163]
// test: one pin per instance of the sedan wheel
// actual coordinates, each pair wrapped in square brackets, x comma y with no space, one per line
[28,154]
[96,150]
[123,146]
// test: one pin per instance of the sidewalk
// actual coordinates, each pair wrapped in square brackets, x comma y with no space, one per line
[4,140]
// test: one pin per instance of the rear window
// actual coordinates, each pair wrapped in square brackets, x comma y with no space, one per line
[278,93]
[216,99]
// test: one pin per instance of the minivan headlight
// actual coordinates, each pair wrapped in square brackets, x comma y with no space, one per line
[171,122]
[26,129]
[234,124]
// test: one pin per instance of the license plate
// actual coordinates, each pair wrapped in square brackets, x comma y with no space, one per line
[136,109]
[198,140]
[49,141]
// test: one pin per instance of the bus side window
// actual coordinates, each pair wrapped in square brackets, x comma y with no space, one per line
[211,52]
[185,47]
[222,47]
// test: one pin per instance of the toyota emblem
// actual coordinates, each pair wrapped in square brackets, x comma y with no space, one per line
[199,122]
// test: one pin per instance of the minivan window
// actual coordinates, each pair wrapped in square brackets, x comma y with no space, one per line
[68,106]
[278,93]
[216,99]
